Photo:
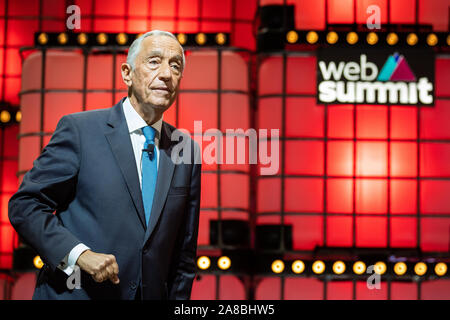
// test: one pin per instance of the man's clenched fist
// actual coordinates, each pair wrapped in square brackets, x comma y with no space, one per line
[100,266]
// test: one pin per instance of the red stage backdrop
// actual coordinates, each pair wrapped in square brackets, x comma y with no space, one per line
[349,176]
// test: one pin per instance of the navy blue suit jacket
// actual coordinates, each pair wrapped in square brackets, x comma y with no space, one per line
[84,188]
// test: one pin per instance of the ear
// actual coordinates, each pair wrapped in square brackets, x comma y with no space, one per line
[126,74]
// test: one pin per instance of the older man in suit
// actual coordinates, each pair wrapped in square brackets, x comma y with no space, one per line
[106,196]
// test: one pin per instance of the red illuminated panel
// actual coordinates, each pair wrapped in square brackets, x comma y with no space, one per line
[33,65]
[29,150]
[434,196]
[339,290]
[304,195]
[64,64]
[304,118]
[434,121]
[403,159]
[371,159]
[339,195]
[192,105]
[434,159]
[235,191]
[434,234]
[98,100]
[236,151]
[434,13]
[209,195]
[268,289]
[364,293]
[309,14]
[231,288]
[217,9]
[371,122]
[402,11]
[270,76]
[339,231]
[371,231]
[340,158]
[231,105]
[300,82]
[403,122]
[403,291]
[340,121]
[203,287]
[311,289]
[304,157]
[403,232]
[270,115]
[371,196]
[442,77]
[403,196]
[340,11]
[435,290]
[53,111]
[269,195]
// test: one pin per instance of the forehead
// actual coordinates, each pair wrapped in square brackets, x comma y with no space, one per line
[164,44]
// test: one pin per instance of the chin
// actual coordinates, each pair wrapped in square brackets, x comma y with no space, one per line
[160,106]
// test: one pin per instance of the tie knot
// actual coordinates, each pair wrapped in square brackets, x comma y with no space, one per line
[149,133]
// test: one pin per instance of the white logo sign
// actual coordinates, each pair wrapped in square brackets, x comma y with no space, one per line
[361,82]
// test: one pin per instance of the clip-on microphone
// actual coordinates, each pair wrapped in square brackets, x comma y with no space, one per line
[150,149]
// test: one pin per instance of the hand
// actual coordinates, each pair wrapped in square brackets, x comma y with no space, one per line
[100,266]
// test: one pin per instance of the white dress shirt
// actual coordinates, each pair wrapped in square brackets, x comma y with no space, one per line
[135,124]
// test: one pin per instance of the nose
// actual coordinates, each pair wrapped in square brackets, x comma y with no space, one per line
[164,72]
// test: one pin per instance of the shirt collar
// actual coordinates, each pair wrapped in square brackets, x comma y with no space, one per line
[135,121]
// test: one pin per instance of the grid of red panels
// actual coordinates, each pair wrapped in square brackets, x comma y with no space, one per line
[365,176]
[19,20]
[352,175]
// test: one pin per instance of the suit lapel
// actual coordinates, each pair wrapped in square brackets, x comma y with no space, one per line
[163,180]
[119,139]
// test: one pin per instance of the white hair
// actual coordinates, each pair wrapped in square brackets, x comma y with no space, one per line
[136,45]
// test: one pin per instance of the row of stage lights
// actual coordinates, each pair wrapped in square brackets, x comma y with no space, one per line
[318,267]
[359,267]
[371,38]
[124,39]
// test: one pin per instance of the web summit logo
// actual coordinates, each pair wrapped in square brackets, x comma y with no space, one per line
[360,82]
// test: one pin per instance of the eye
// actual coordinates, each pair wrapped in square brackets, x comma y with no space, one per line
[153,61]
[176,67]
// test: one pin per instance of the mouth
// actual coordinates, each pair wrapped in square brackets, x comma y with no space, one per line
[162,90]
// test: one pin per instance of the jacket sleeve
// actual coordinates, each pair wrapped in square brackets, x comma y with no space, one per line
[48,188]
[184,269]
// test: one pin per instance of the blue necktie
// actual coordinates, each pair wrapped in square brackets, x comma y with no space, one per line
[149,171]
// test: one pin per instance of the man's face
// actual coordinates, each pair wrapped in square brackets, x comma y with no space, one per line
[157,72]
